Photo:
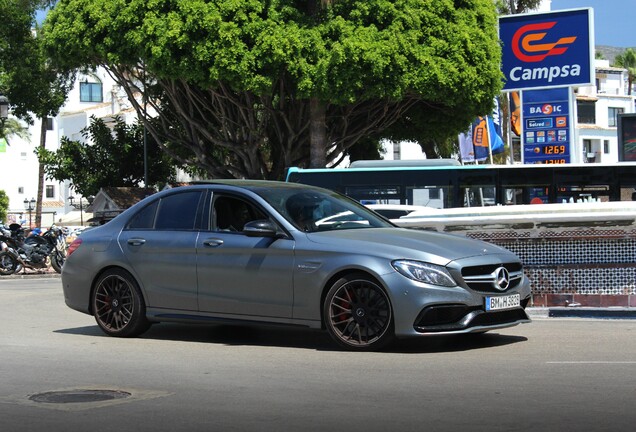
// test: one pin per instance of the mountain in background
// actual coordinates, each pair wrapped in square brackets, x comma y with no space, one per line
[609,52]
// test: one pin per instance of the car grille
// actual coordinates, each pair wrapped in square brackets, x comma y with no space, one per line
[484,279]
[457,317]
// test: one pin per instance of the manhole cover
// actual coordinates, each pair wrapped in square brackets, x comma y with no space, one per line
[78,396]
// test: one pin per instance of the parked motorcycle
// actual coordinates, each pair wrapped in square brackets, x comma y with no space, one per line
[34,252]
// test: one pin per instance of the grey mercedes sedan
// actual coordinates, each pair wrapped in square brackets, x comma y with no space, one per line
[282,253]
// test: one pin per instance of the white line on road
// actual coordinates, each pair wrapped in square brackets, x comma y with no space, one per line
[593,362]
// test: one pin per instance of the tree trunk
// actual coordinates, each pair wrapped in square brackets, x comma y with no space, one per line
[317,133]
[38,205]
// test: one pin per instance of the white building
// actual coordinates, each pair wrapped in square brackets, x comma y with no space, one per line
[597,108]
[94,94]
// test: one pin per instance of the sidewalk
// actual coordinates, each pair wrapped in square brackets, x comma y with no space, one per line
[32,274]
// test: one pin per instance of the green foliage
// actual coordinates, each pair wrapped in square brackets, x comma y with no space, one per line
[11,127]
[109,157]
[4,205]
[627,60]
[27,77]
[239,75]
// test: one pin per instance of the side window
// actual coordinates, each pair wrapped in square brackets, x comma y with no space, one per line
[231,214]
[145,218]
[178,211]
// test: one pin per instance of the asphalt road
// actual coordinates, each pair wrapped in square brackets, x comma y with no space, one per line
[552,374]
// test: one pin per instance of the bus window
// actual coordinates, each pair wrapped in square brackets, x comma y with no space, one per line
[628,193]
[377,194]
[580,193]
[429,196]
[478,188]
[478,196]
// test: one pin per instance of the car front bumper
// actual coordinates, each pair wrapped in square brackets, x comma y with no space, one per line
[425,310]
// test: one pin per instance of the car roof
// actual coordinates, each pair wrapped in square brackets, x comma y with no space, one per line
[253,185]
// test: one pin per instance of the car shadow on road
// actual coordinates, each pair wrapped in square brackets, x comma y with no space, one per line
[302,338]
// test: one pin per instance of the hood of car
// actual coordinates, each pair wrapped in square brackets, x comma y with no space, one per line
[405,243]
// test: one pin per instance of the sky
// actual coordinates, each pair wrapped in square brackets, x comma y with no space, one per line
[614,20]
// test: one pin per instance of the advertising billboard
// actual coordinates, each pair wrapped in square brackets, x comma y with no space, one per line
[626,137]
[547,50]
[546,126]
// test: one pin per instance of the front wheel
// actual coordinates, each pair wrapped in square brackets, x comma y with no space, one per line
[118,305]
[57,260]
[357,314]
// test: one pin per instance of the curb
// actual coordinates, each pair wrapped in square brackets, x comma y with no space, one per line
[582,312]
[30,276]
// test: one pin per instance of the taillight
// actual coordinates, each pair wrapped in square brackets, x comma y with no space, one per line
[73,246]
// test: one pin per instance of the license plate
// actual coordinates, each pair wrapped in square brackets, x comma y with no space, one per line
[503,302]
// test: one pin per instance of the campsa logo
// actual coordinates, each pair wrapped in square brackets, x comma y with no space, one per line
[530,39]
[531,43]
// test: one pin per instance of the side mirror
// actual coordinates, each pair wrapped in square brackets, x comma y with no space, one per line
[260,228]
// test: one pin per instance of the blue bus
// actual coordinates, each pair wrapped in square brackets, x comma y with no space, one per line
[444,183]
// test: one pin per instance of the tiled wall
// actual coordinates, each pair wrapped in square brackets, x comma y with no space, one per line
[594,267]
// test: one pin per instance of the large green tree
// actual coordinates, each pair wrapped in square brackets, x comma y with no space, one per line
[109,155]
[241,85]
[34,86]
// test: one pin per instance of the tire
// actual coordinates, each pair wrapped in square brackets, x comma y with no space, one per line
[57,261]
[8,264]
[357,314]
[118,305]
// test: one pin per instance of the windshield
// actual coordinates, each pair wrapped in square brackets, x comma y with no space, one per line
[312,210]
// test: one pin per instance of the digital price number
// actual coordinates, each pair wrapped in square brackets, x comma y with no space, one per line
[554,161]
[554,149]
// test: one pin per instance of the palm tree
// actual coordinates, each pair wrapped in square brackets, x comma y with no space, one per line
[627,60]
[12,127]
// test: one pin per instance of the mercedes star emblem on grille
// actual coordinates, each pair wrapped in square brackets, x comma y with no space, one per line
[502,279]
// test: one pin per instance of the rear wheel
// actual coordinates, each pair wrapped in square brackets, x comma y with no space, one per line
[8,264]
[118,305]
[357,314]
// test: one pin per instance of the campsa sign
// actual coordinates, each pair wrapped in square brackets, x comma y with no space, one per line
[546,50]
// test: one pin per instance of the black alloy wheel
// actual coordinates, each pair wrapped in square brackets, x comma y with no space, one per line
[118,306]
[357,314]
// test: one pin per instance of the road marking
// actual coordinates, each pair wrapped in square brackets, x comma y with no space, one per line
[593,362]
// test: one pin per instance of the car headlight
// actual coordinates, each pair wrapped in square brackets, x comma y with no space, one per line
[424,272]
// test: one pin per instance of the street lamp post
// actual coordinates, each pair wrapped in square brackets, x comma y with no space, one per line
[29,206]
[81,209]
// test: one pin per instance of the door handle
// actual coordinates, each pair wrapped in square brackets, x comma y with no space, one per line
[136,241]
[213,242]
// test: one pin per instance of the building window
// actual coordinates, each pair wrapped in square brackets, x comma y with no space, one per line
[49,123]
[91,92]
[606,146]
[20,189]
[612,113]
[586,112]
[50,191]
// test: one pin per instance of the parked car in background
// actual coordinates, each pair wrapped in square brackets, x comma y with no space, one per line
[285,253]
